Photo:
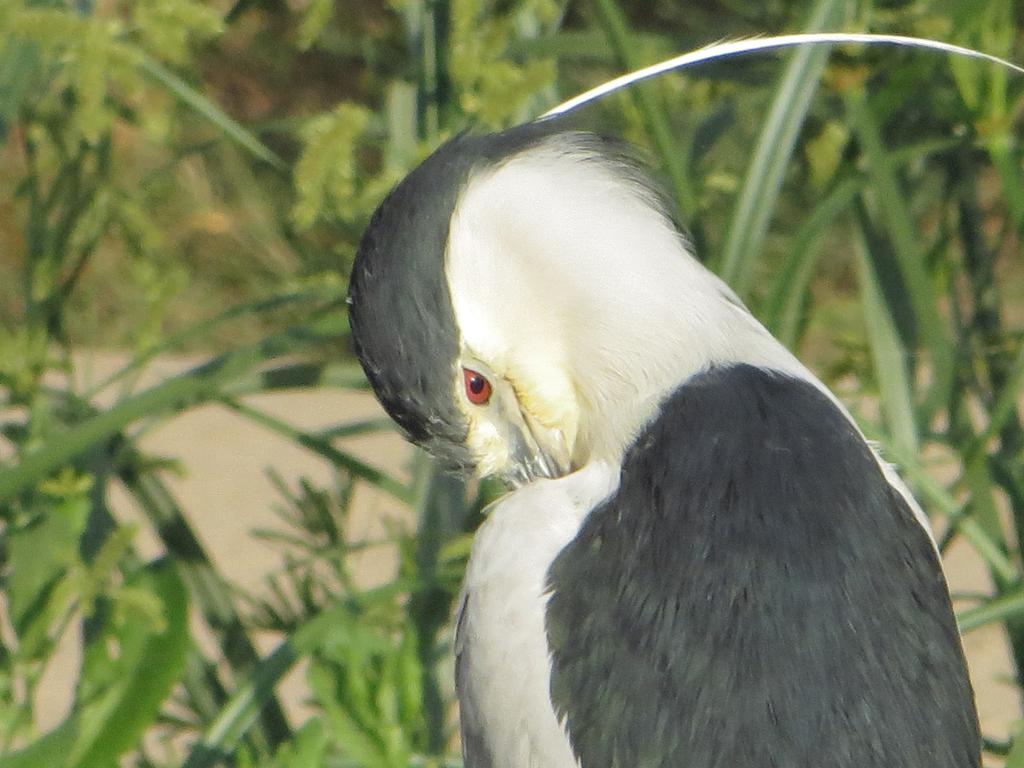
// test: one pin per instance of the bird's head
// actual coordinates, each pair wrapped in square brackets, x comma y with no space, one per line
[521,303]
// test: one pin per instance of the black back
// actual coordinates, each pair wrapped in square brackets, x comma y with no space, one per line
[756,594]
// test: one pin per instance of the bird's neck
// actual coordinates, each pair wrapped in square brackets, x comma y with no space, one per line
[660,339]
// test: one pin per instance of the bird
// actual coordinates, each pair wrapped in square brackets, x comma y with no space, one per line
[700,561]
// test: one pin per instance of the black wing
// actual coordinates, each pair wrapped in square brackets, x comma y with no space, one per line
[756,594]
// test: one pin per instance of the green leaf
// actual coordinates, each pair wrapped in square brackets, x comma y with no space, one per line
[306,750]
[204,328]
[92,117]
[825,152]
[931,490]
[316,16]
[1003,152]
[113,723]
[359,746]
[168,28]
[985,514]
[410,679]
[19,64]
[119,696]
[49,750]
[242,710]
[590,45]
[492,87]
[214,598]
[40,554]
[173,394]
[1015,758]
[400,109]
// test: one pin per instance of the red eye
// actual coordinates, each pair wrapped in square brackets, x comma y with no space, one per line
[478,388]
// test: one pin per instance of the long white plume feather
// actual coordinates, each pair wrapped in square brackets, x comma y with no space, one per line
[752,45]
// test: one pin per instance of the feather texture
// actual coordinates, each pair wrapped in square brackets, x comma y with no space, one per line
[754,593]
[732,48]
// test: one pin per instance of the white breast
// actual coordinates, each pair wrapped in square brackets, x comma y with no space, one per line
[506,672]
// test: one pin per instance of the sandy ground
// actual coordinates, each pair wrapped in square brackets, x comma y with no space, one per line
[226,493]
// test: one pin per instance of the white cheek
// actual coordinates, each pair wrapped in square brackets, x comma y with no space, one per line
[557,262]
[486,444]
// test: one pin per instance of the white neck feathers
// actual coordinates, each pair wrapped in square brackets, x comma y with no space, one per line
[559,260]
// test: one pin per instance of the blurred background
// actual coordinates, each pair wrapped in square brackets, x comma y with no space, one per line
[213,548]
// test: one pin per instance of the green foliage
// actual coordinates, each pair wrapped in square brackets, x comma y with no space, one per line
[492,88]
[95,55]
[130,664]
[327,174]
[162,161]
[168,30]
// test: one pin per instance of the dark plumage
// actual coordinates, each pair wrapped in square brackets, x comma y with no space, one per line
[400,311]
[704,565]
[756,594]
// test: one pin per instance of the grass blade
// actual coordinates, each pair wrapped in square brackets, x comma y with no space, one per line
[176,341]
[1000,609]
[887,353]
[787,297]
[937,497]
[301,375]
[1005,405]
[174,394]
[201,384]
[894,213]
[210,592]
[139,698]
[622,41]
[372,475]
[756,201]
[206,108]
[241,711]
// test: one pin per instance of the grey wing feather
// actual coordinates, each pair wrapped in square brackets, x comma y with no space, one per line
[475,751]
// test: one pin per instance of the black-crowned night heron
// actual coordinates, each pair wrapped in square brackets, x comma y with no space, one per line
[701,561]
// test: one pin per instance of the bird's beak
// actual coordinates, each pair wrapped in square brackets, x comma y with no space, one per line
[535,451]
